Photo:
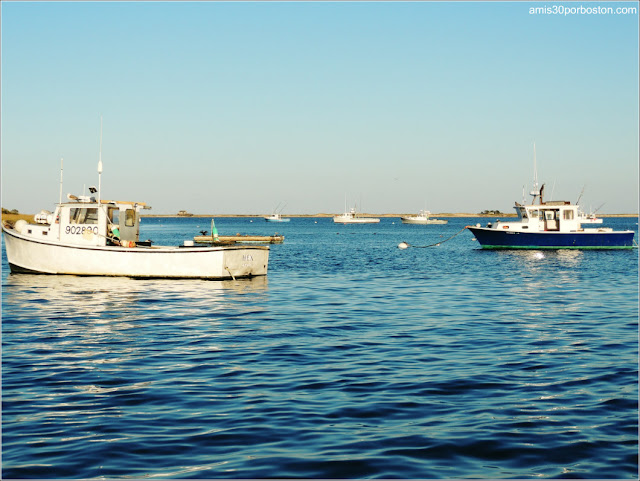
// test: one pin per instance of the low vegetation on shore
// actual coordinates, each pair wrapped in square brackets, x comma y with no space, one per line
[14,215]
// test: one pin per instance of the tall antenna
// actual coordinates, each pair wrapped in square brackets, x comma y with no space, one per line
[100,165]
[61,168]
[536,190]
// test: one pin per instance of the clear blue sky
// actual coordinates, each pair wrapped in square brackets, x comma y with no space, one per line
[222,108]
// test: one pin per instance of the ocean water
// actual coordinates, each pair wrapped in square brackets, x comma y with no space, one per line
[351,359]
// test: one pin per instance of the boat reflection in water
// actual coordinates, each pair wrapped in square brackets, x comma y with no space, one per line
[119,303]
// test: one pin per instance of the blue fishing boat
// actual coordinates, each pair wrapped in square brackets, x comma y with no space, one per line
[549,225]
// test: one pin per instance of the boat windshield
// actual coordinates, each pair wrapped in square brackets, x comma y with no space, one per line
[83,216]
[523,212]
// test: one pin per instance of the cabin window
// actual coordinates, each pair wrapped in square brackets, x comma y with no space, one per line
[130,218]
[114,216]
[568,215]
[83,216]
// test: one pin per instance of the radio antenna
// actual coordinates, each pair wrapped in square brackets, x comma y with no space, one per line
[100,165]
[61,169]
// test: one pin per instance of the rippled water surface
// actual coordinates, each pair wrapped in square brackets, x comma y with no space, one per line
[352,359]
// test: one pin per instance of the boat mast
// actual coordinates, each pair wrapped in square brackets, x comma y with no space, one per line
[59,210]
[61,169]
[100,165]
[536,192]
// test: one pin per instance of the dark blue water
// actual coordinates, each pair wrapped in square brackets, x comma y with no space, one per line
[352,359]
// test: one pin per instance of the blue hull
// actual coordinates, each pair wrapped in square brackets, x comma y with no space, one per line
[496,239]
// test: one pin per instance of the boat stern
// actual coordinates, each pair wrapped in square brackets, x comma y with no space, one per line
[246,261]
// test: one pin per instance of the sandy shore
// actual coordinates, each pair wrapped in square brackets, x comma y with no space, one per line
[29,217]
[446,214]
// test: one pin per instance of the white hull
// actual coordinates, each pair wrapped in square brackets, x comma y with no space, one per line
[357,220]
[39,256]
[422,220]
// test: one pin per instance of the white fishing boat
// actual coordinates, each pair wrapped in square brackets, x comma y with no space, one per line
[423,217]
[276,216]
[101,238]
[93,237]
[352,217]
[589,218]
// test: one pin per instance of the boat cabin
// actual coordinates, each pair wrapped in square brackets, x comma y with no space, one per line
[83,221]
[558,216]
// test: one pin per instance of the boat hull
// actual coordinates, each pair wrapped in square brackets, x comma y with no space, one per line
[410,220]
[496,239]
[41,257]
[276,220]
[360,220]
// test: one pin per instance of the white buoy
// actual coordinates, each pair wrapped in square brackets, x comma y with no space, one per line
[403,245]
[20,225]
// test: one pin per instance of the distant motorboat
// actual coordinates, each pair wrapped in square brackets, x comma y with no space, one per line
[589,218]
[423,217]
[352,217]
[276,218]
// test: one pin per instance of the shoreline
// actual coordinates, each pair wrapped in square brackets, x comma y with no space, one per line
[29,217]
[319,216]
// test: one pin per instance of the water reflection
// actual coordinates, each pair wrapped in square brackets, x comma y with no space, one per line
[534,259]
[104,304]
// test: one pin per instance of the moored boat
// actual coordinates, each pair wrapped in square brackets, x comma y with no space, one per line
[276,218]
[589,218]
[240,239]
[352,217]
[276,215]
[549,225]
[423,217]
[90,237]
